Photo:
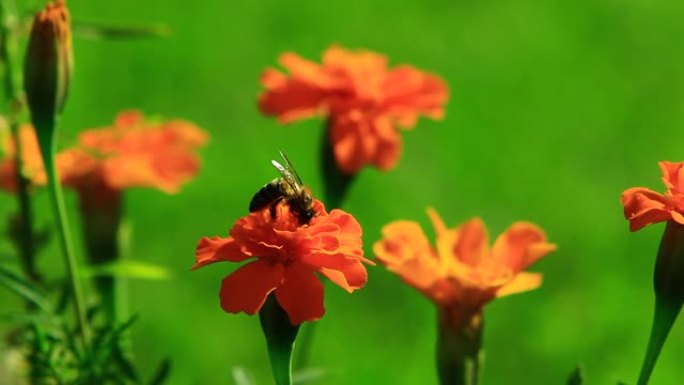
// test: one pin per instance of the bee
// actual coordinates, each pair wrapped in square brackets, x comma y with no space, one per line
[288,188]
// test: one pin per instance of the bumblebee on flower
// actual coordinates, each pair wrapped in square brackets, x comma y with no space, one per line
[288,255]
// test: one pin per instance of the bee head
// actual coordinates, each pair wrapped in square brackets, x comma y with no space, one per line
[305,209]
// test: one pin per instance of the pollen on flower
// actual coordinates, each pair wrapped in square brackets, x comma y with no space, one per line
[286,259]
[364,100]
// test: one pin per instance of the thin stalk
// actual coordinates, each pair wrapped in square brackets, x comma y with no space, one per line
[63,229]
[8,54]
[280,339]
[459,345]
[664,317]
[101,215]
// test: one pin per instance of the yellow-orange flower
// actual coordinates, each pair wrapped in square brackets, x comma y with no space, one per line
[365,102]
[287,258]
[32,162]
[643,206]
[462,270]
[133,153]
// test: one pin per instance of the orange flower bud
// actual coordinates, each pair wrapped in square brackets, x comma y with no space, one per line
[49,62]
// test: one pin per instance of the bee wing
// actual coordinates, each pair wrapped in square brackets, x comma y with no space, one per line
[290,167]
[287,175]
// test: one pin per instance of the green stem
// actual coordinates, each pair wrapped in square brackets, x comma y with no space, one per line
[459,345]
[336,184]
[8,54]
[664,317]
[280,338]
[63,229]
[101,214]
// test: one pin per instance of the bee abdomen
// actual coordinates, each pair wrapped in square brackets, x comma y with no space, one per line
[266,195]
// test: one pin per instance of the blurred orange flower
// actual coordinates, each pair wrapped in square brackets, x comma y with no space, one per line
[133,153]
[32,167]
[643,206]
[462,270]
[364,100]
[287,258]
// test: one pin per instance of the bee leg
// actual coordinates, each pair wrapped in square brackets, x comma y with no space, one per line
[272,208]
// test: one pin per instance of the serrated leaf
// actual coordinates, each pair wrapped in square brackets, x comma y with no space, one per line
[24,289]
[128,269]
[97,31]
[162,372]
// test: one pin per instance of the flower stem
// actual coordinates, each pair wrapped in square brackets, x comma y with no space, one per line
[8,54]
[101,214]
[459,346]
[336,184]
[58,207]
[280,338]
[665,314]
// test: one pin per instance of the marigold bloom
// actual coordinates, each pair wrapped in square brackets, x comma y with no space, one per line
[365,102]
[133,153]
[462,270]
[32,166]
[643,206]
[287,258]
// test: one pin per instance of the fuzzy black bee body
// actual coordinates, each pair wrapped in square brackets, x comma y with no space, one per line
[288,188]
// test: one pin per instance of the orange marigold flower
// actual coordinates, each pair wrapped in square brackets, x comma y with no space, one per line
[287,256]
[643,206]
[32,166]
[462,270]
[133,153]
[364,100]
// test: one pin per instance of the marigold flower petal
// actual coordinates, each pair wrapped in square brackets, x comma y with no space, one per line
[134,153]
[246,289]
[463,271]
[299,279]
[405,250]
[330,244]
[673,175]
[644,207]
[469,243]
[216,249]
[521,245]
[363,100]
[32,166]
[522,282]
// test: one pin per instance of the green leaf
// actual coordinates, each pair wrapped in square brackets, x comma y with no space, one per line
[576,377]
[308,375]
[96,31]
[22,318]
[162,372]
[128,269]
[280,337]
[24,288]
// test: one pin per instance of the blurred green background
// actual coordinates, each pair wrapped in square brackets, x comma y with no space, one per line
[555,109]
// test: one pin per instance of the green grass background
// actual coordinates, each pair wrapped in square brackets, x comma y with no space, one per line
[555,108]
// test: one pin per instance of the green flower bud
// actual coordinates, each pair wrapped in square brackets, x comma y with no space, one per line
[49,62]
